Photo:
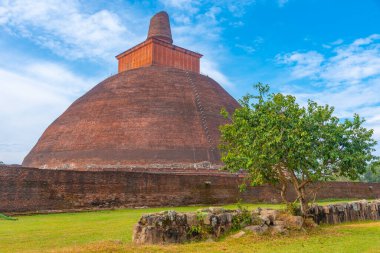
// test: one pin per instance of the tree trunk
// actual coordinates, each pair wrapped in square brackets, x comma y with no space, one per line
[283,193]
[283,182]
[299,187]
[303,201]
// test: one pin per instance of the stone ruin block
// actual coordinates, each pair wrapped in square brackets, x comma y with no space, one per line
[346,212]
[173,227]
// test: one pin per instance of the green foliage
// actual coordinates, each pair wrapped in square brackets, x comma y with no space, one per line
[278,141]
[293,208]
[195,229]
[242,187]
[201,215]
[199,231]
[372,175]
[239,204]
[242,218]
[5,217]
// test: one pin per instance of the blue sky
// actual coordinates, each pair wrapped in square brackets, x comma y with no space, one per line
[52,52]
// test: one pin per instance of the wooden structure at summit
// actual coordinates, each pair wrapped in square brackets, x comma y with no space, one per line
[158,49]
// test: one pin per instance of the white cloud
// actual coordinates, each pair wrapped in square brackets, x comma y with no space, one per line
[32,96]
[70,31]
[353,63]
[191,6]
[350,63]
[281,3]
[3,15]
[212,14]
[359,98]
[186,11]
[349,79]
[347,99]
[337,42]
[366,41]
[252,47]
[334,43]
[64,28]
[209,68]
[246,48]
[236,7]
[237,23]
[199,30]
[303,64]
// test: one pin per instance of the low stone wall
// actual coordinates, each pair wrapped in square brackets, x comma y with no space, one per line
[34,190]
[173,227]
[345,212]
[210,223]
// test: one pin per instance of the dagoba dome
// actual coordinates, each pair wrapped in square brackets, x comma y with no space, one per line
[157,112]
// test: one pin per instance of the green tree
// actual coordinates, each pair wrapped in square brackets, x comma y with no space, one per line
[278,141]
[372,175]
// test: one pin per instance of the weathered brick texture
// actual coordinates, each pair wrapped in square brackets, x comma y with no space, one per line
[30,189]
[152,115]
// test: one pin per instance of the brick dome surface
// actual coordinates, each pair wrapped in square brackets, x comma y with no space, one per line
[150,117]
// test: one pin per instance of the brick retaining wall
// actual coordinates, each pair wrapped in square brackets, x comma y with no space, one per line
[29,189]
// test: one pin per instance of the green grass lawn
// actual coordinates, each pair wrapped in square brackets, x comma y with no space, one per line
[111,231]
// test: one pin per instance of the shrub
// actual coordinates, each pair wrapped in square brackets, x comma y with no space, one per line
[242,218]
[293,208]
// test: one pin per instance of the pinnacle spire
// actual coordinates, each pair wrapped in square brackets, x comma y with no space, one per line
[159,27]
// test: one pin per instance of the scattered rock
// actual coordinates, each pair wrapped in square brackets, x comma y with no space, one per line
[257,229]
[192,219]
[277,229]
[207,219]
[140,207]
[268,216]
[289,221]
[279,223]
[309,223]
[238,234]
[216,210]
[294,222]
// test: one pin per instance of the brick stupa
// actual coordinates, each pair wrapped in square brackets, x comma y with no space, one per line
[157,113]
